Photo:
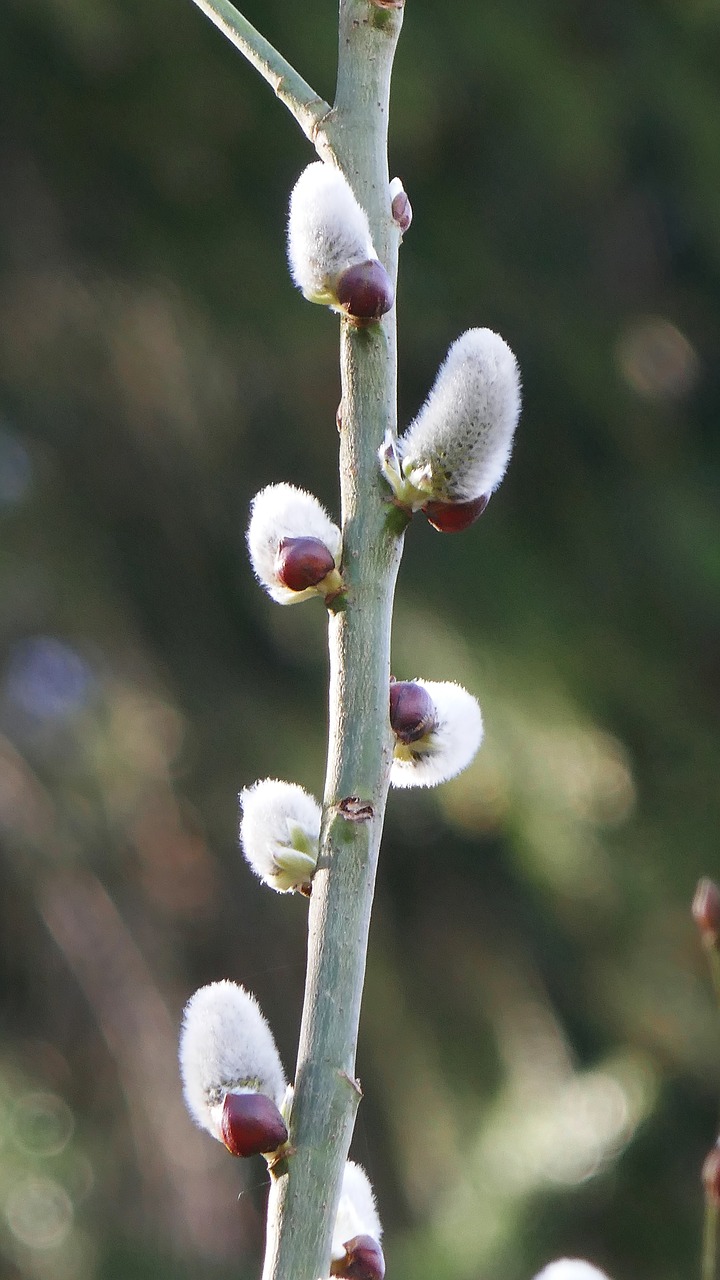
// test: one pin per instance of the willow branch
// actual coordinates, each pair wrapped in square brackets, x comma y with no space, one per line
[353,134]
[301,100]
[303,1201]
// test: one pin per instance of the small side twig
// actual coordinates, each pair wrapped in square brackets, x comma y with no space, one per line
[301,100]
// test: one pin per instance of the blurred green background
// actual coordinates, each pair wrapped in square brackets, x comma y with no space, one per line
[539,1044]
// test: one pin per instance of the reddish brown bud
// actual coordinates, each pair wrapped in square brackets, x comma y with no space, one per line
[453,517]
[302,562]
[402,210]
[365,291]
[251,1124]
[711,1176]
[706,910]
[363,1260]
[412,710]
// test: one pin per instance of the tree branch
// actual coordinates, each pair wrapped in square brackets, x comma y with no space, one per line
[303,1201]
[353,134]
[301,100]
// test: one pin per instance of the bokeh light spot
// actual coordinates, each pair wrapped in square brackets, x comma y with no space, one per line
[39,1213]
[46,678]
[657,360]
[42,1124]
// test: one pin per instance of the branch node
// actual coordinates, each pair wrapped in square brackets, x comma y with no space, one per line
[278,1163]
[353,809]
[354,1084]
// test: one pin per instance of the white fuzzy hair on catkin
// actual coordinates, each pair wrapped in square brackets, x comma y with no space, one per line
[328,231]
[570,1269]
[464,431]
[277,818]
[448,747]
[284,511]
[357,1213]
[226,1045]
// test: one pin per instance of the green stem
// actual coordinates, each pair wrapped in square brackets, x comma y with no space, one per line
[303,1202]
[308,108]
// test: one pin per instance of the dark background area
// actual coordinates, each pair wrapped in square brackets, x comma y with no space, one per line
[539,1044]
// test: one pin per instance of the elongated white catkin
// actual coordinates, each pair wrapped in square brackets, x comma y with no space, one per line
[328,231]
[226,1045]
[463,434]
[357,1211]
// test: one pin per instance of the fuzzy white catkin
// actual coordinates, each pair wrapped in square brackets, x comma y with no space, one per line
[357,1213]
[284,511]
[328,232]
[570,1269]
[448,747]
[226,1046]
[464,432]
[279,833]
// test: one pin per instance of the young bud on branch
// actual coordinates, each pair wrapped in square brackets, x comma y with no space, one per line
[453,517]
[400,205]
[330,250]
[412,710]
[251,1124]
[438,728]
[455,453]
[363,1259]
[227,1048]
[356,1252]
[302,562]
[279,834]
[365,291]
[294,545]
[571,1269]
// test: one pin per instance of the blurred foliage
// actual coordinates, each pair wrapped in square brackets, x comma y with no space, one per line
[539,1045]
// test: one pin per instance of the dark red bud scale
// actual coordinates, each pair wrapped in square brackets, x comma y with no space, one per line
[365,291]
[363,1260]
[706,910]
[251,1124]
[302,562]
[412,710]
[453,517]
